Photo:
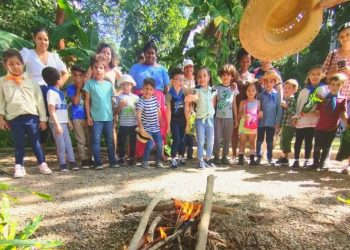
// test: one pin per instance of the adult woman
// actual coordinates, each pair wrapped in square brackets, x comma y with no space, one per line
[244,60]
[35,60]
[150,68]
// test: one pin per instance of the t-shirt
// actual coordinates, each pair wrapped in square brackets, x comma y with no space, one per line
[205,108]
[127,116]
[149,113]
[34,65]
[176,102]
[101,93]
[329,119]
[224,98]
[77,112]
[159,74]
[54,98]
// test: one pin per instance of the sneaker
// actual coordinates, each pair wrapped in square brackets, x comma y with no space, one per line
[181,162]
[115,165]
[216,160]
[131,162]
[258,161]
[20,172]
[283,161]
[44,169]
[122,162]
[296,164]
[74,166]
[307,163]
[202,165]
[225,161]
[159,165]
[173,163]
[314,166]
[210,163]
[145,165]
[271,163]
[63,168]
[85,164]
[346,170]
[98,167]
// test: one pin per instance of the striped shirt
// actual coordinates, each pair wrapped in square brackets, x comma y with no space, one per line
[127,116]
[149,113]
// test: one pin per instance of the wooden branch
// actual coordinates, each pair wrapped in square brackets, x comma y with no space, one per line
[168,206]
[152,227]
[205,216]
[167,239]
[144,220]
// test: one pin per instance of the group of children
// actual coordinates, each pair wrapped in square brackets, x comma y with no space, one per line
[212,110]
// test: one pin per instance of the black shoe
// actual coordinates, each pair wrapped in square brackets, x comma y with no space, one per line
[307,163]
[283,161]
[240,159]
[258,161]
[85,164]
[74,166]
[225,161]
[131,162]
[296,164]
[314,166]
[252,161]
[181,162]
[217,161]
[271,163]
[121,162]
[210,163]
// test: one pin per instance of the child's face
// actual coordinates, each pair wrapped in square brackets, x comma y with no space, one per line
[177,81]
[251,92]
[226,78]
[98,71]
[107,54]
[269,83]
[78,77]
[335,86]
[288,90]
[344,37]
[315,76]
[126,87]
[203,78]
[14,66]
[188,70]
[147,91]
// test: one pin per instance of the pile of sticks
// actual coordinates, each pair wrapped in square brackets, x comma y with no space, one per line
[177,225]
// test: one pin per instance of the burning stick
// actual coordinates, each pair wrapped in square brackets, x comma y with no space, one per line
[150,232]
[134,244]
[205,218]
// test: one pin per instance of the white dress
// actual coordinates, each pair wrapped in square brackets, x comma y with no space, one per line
[34,65]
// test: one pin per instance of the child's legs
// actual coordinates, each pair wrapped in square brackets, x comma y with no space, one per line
[148,149]
[97,128]
[242,143]
[122,136]
[189,143]
[309,136]
[317,146]
[286,139]
[260,140]
[270,132]
[175,132]
[18,136]
[327,144]
[60,147]
[218,130]
[109,139]
[157,138]
[209,137]
[132,141]
[80,135]
[200,133]
[181,147]
[32,131]
[252,140]
[234,141]
[227,135]
[299,138]
[68,143]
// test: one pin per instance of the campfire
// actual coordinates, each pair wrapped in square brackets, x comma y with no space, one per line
[178,224]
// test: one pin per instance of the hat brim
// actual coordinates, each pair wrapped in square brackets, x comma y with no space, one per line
[277,78]
[132,83]
[271,30]
[144,138]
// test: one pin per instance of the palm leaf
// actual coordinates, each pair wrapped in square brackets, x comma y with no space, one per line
[9,40]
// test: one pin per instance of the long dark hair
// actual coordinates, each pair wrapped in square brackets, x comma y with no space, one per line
[99,49]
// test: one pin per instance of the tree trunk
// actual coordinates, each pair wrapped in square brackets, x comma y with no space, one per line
[60,20]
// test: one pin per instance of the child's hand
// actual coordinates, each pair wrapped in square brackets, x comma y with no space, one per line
[284,105]
[42,126]
[122,104]
[189,98]
[89,121]
[294,122]
[58,129]
[277,128]
[236,123]
[70,125]
[260,115]
[3,124]
[187,129]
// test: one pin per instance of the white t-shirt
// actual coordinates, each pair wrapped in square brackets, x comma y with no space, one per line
[53,98]
[34,65]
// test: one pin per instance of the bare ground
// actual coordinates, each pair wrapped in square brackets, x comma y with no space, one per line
[285,209]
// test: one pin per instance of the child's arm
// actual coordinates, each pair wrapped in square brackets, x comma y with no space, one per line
[160,118]
[76,97]
[87,108]
[344,117]
[168,115]
[234,108]
[52,111]
[260,112]
[40,103]
[187,117]
[240,110]
[139,120]
[278,113]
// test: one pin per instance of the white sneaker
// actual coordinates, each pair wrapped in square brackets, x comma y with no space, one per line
[44,169]
[20,172]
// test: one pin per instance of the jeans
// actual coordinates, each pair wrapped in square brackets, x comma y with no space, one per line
[157,139]
[178,134]
[63,144]
[270,132]
[205,135]
[22,126]
[104,128]
[123,133]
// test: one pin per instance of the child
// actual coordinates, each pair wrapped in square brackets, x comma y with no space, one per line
[330,110]
[270,101]
[226,113]
[78,115]
[126,109]
[176,116]
[22,110]
[305,118]
[204,97]
[99,112]
[290,87]
[59,121]
[249,113]
[148,120]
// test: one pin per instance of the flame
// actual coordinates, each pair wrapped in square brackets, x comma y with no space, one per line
[162,233]
[187,210]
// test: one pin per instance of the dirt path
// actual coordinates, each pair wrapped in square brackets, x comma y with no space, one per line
[298,210]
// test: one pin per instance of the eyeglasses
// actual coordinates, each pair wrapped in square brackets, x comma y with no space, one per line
[180,79]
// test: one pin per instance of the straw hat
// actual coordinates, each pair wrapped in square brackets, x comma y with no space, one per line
[126,78]
[271,74]
[143,137]
[270,30]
